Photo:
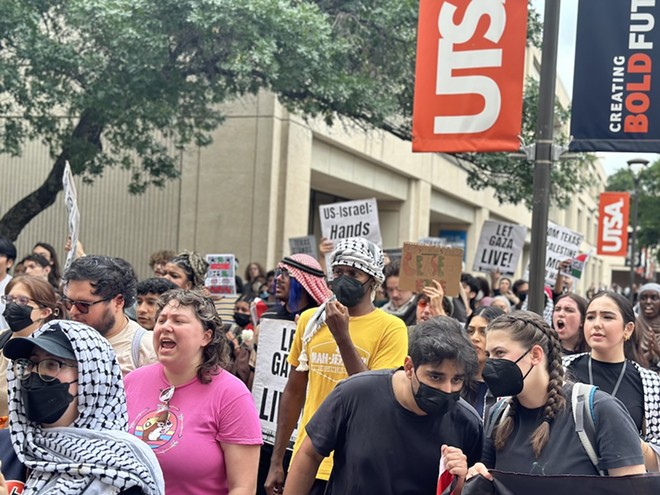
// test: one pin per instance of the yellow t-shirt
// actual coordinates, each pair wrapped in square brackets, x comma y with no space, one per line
[380,339]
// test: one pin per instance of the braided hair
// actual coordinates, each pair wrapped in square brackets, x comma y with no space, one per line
[194,266]
[530,329]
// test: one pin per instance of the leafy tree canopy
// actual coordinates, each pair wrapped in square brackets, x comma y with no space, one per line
[101,82]
[648,218]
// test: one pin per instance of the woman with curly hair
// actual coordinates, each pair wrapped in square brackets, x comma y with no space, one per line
[535,432]
[199,419]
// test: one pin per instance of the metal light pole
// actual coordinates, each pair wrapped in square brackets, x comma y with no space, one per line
[636,166]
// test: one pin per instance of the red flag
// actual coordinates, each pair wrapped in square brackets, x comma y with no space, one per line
[469,75]
[613,223]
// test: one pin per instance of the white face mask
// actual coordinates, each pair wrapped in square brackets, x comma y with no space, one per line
[479,296]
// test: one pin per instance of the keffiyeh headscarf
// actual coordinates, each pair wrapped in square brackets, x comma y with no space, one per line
[361,254]
[95,454]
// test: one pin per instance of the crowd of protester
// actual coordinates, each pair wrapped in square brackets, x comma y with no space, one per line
[110,384]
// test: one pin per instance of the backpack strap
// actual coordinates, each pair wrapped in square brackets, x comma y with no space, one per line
[582,402]
[498,412]
[135,346]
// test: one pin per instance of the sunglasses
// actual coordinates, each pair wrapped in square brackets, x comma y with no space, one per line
[281,272]
[82,306]
[422,303]
[22,300]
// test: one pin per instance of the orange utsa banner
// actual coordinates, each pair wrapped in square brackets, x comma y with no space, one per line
[469,75]
[613,211]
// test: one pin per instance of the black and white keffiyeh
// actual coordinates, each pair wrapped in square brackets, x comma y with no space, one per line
[95,455]
[361,254]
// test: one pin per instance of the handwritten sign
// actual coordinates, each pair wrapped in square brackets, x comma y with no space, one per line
[71,201]
[500,246]
[303,245]
[271,373]
[351,219]
[220,277]
[420,264]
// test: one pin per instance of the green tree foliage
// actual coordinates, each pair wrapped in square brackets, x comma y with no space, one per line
[648,218]
[104,82]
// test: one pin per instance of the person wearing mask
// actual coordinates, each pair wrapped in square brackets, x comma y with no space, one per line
[7,259]
[520,288]
[68,418]
[199,419]
[344,336]
[30,302]
[615,366]
[648,322]
[568,321]
[420,402]
[299,286]
[97,289]
[532,430]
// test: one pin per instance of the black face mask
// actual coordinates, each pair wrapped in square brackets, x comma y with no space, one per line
[45,402]
[522,296]
[241,319]
[18,316]
[503,376]
[432,401]
[348,290]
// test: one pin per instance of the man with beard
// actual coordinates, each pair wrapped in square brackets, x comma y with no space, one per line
[648,323]
[389,428]
[97,290]
[344,336]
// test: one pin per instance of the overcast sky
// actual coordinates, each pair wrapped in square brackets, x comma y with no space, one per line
[565,63]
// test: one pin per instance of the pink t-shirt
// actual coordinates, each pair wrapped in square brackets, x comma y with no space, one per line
[186,440]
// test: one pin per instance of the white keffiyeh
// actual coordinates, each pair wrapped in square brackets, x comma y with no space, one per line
[94,455]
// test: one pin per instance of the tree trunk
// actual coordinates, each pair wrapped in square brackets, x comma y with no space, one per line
[87,131]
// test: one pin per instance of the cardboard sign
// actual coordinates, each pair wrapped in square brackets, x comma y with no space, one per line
[71,202]
[271,373]
[469,75]
[613,210]
[220,277]
[303,245]
[351,219]
[500,246]
[421,263]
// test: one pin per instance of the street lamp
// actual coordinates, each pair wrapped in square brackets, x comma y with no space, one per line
[636,166]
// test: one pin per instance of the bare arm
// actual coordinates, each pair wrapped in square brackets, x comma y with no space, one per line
[303,470]
[293,399]
[650,458]
[626,470]
[242,464]
[337,317]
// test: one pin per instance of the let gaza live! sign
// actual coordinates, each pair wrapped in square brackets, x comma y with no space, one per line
[469,75]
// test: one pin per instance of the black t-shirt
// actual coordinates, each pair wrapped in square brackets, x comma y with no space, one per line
[380,447]
[279,312]
[631,391]
[617,441]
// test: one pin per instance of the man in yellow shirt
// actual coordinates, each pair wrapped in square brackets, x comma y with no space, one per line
[345,336]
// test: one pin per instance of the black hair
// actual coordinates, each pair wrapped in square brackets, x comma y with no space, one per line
[155,285]
[488,313]
[582,304]
[37,258]
[442,338]
[54,276]
[392,269]
[108,276]
[7,248]
[515,288]
[470,281]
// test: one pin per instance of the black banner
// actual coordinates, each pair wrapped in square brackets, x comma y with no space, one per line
[616,77]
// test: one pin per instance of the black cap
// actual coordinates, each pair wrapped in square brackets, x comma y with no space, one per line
[54,342]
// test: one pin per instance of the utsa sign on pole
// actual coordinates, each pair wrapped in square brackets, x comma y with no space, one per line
[617,76]
[469,75]
[613,223]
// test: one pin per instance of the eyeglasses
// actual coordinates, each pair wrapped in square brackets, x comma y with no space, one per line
[22,300]
[48,369]
[81,306]
[283,273]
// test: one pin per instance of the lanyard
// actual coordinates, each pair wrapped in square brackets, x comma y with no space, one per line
[618,382]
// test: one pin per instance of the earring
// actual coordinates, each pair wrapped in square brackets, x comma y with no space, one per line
[626,337]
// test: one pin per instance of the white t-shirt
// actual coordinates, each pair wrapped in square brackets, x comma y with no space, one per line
[122,343]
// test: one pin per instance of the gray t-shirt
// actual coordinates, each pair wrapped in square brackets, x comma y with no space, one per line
[617,441]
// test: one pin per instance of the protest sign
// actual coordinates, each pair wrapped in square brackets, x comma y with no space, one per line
[303,245]
[500,246]
[578,264]
[71,202]
[421,263]
[351,219]
[220,277]
[271,373]
[562,244]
